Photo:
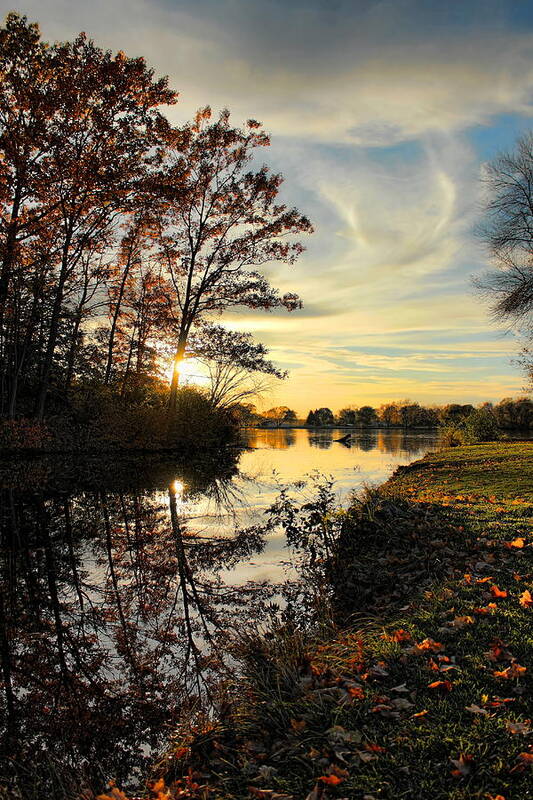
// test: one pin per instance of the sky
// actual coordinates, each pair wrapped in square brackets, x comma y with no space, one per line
[382,116]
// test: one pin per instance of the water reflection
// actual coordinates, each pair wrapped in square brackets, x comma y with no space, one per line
[110,619]
[118,586]
[322,439]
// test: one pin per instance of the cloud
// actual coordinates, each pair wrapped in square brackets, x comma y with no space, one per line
[364,73]
[370,104]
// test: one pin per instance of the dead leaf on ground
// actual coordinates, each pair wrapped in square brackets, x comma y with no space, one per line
[463,765]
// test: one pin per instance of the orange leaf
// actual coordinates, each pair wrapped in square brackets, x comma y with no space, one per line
[488,609]
[519,542]
[427,644]
[298,724]
[331,780]
[514,671]
[443,685]
[401,635]
[374,748]
[495,592]
[420,713]
[526,600]
[114,794]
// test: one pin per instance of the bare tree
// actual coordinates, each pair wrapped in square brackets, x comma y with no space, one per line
[507,231]
[237,367]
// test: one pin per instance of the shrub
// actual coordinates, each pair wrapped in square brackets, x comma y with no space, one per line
[452,436]
[198,422]
[23,434]
[481,426]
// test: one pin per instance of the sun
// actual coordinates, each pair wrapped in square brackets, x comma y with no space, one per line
[191,371]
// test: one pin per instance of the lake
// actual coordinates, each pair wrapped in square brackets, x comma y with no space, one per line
[124,583]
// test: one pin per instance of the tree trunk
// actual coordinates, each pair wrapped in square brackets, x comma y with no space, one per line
[174,384]
[114,323]
[73,349]
[50,348]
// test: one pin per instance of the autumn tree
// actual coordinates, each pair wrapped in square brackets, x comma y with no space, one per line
[366,416]
[324,417]
[220,222]
[99,147]
[280,414]
[347,416]
[78,128]
[311,419]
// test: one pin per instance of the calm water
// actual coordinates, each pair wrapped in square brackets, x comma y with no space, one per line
[124,584]
[286,455]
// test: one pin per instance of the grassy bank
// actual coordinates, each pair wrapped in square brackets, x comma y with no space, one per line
[424,690]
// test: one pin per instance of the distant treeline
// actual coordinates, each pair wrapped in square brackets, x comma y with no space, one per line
[509,414]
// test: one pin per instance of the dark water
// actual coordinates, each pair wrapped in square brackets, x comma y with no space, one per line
[123,585]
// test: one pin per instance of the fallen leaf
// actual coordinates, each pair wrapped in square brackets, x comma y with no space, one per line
[268,794]
[298,724]
[526,600]
[460,622]
[518,727]
[442,685]
[519,542]
[331,780]
[374,748]
[365,756]
[496,592]
[401,704]
[497,702]
[356,692]
[476,709]
[463,765]
[114,794]
[498,652]
[514,671]
[400,635]
[424,646]
[488,609]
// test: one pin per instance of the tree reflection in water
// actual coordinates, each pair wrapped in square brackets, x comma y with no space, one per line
[112,613]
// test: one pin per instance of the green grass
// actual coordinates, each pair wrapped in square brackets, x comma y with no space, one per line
[500,469]
[352,714]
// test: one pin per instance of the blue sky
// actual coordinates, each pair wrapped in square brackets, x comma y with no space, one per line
[382,115]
